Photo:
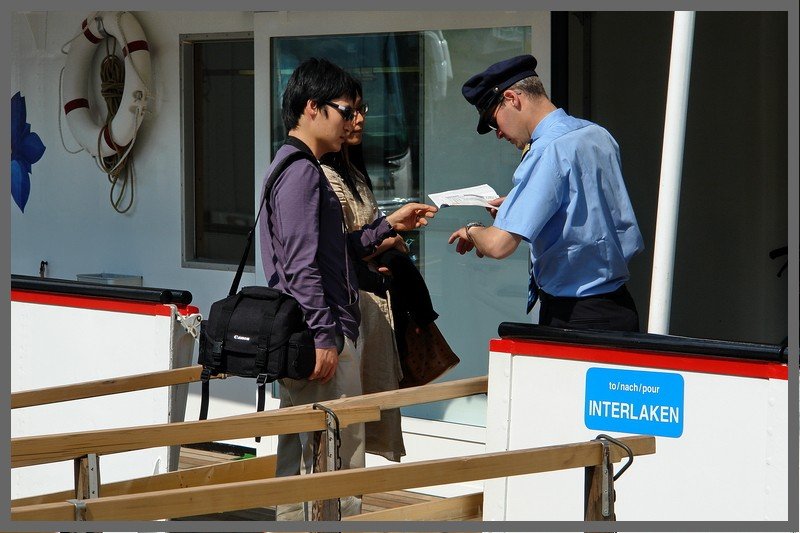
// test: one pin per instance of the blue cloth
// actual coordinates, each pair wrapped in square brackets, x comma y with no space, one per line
[569,203]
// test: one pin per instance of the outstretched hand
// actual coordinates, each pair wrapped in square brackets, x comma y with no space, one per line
[411,216]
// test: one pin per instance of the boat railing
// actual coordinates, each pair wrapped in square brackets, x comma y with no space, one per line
[251,483]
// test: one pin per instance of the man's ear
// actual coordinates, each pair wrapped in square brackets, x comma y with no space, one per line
[311,108]
[514,99]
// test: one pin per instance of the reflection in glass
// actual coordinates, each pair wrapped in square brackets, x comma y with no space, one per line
[388,66]
[420,138]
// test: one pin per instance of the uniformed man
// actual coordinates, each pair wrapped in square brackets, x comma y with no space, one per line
[568,202]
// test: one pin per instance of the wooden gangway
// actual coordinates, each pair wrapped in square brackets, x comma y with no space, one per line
[250,483]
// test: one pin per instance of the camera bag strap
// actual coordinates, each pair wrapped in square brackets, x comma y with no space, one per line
[205,376]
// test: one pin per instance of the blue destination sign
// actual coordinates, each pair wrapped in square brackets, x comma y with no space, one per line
[632,401]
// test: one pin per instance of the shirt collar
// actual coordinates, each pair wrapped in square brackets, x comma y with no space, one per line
[547,122]
[300,145]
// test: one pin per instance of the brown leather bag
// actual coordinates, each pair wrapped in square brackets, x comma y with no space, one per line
[427,356]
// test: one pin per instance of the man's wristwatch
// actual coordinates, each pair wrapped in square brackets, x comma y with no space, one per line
[472,225]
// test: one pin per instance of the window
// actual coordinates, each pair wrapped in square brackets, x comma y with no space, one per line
[391,69]
[217,99]
[420,138]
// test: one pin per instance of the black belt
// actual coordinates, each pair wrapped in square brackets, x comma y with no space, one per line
[545,297]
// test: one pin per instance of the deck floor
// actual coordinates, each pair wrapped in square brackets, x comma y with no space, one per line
[191,457]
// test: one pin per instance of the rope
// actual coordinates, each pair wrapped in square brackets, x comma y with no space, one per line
[112,76]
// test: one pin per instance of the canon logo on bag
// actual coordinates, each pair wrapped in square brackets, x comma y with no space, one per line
[241,338]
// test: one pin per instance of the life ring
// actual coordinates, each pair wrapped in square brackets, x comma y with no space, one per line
[75,85]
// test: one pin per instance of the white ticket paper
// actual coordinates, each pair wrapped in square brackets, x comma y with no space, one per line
[478,195]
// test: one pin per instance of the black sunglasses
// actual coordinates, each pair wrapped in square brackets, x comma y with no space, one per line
[492,120]
[347,112]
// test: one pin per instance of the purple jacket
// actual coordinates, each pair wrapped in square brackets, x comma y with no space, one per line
[306,252]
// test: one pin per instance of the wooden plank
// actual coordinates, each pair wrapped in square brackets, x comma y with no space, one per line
[433,392]
[27,451]
[388,500]
[227,472]
[401,497]
[466,507]
[250,494]
[102,387]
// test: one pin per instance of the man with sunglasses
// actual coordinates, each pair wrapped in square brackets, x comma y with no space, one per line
[306,253]
[568,202]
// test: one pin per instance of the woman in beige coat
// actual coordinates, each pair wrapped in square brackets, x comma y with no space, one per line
[380,369]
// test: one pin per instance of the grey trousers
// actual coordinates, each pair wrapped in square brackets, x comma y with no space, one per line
[295,451]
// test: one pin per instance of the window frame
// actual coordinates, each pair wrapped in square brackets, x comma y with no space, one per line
[188,183]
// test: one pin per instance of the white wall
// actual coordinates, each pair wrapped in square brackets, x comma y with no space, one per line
[68,220]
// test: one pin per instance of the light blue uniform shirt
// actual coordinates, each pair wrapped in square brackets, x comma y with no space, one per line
[569,203]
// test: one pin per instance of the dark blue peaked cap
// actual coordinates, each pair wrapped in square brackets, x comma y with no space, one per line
[483,90]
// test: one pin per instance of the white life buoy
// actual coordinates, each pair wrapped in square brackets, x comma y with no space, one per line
[75,88]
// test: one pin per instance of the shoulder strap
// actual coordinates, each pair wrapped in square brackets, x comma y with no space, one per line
[273,177]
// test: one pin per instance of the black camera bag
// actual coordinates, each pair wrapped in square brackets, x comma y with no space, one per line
[256,332]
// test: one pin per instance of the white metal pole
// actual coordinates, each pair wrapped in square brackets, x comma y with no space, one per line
[669,191]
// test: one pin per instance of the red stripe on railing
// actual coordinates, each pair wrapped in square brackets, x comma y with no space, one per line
[647,359]
[135,46]
[100,304]
[72,105]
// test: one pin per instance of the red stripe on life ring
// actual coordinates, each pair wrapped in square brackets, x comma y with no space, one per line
[91,36]
[134,46]
[84,24]
[110,142]
[72,105]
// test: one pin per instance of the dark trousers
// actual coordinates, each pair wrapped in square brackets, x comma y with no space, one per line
[615,311]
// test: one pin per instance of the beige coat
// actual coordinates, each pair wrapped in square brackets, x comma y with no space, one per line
[380,363]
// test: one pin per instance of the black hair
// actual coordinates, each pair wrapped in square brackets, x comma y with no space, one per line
[317,80]
[355,155]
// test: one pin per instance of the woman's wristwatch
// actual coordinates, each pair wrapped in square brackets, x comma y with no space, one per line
[472,225]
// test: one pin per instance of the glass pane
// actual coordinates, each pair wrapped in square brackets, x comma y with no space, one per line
[420,138]
[223,148]
[389,68]
[472,295]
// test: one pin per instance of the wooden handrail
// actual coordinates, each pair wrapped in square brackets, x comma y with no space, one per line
[102,387]
[178,376]
[26,451]
[326,485]
[433,392]
[214,474]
